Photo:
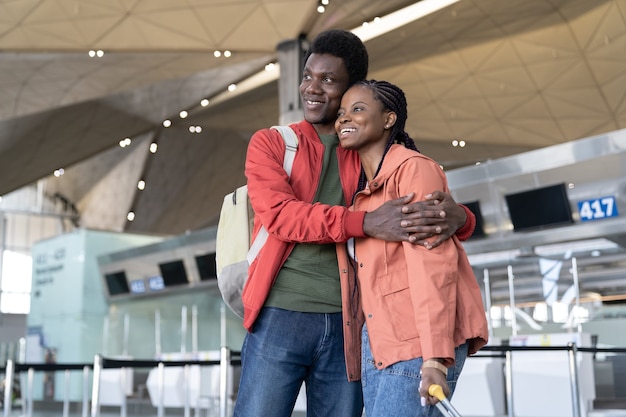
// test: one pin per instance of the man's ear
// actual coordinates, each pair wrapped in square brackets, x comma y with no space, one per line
[390,120]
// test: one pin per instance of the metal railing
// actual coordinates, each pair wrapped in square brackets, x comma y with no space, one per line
[230,358]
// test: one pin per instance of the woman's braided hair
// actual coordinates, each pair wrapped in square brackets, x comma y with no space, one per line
[393,99]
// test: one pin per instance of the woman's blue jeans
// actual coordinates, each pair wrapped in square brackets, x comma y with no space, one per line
[394,391]
[287,348]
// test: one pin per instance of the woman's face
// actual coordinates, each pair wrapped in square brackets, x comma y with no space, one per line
[362,122]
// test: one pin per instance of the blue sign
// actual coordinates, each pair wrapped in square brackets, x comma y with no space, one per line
[156,283]
[137,286]
[599,208]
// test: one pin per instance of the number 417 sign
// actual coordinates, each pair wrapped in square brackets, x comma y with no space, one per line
[599,208]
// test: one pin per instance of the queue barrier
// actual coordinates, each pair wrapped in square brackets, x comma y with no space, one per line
[232,358]
[227,358]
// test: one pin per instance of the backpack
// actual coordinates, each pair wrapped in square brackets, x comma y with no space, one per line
[233,250]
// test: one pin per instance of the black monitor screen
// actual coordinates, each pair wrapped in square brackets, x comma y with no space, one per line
[173,273]
[539,208]
[116,283]
[474,207]
[206,266]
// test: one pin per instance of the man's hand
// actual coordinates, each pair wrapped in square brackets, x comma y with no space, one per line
[439,216]
[400,220]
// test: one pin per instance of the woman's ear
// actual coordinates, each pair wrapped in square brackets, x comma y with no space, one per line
[390,120]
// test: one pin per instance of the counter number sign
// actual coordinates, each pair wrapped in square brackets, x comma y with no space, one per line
[596,209]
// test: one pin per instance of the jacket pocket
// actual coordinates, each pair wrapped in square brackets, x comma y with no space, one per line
[398,306]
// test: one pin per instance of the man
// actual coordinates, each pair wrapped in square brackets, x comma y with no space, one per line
[292,298]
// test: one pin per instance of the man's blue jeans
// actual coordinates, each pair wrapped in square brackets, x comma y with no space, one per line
[287,348]
[394,391]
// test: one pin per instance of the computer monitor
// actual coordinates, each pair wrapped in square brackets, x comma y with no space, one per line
[539,208]
[116,283]
[173,273]
[206,266]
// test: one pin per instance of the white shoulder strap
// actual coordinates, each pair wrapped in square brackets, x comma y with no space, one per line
[291,146]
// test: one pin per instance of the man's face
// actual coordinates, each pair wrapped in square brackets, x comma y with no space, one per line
[324,80]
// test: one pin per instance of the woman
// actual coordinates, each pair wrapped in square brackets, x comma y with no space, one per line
[413,314]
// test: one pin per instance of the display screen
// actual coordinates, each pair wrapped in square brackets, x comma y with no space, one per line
[539,208]
[206,266]
[173,273]
[474,207]
[116,283]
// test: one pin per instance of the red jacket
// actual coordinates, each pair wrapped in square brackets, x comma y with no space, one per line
[284,206]
[416,302]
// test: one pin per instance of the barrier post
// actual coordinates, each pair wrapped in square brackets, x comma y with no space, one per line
[123,382]
[31,383]
[187,375]
[95,391]
[160,388]
[573,370]
[85,391]
[224,367]
[8,387]
[66,394]
[509,382]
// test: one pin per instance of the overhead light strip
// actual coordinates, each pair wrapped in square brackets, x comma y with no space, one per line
[400,18]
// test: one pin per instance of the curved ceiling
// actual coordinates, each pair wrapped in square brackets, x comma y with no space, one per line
[506,77]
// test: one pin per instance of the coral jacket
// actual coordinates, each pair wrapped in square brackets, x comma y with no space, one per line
[416,302]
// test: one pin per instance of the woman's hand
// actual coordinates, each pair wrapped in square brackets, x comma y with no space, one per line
[432,376]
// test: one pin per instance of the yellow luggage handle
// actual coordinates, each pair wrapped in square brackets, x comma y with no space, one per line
[444,404]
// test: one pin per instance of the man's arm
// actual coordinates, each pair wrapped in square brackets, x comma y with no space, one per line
[440,215]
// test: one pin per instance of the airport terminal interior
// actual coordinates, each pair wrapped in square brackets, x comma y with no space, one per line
[124,123]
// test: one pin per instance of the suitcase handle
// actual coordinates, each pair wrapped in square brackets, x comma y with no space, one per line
[443,405]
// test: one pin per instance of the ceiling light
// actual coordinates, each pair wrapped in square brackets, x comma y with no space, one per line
[167,123]
[204,102]
[232,87]
[217,54]
[462,143]
[153,147]
[125,142]
[321,9]
[59,172]
[325,2]
[270,66]
[455,142]
[183,114]
[130,216]
[141,184]
[227,54]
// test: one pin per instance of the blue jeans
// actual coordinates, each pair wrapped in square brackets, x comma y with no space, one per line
[394,391]
[286,349]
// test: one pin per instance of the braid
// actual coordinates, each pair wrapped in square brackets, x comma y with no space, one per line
[392,98]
